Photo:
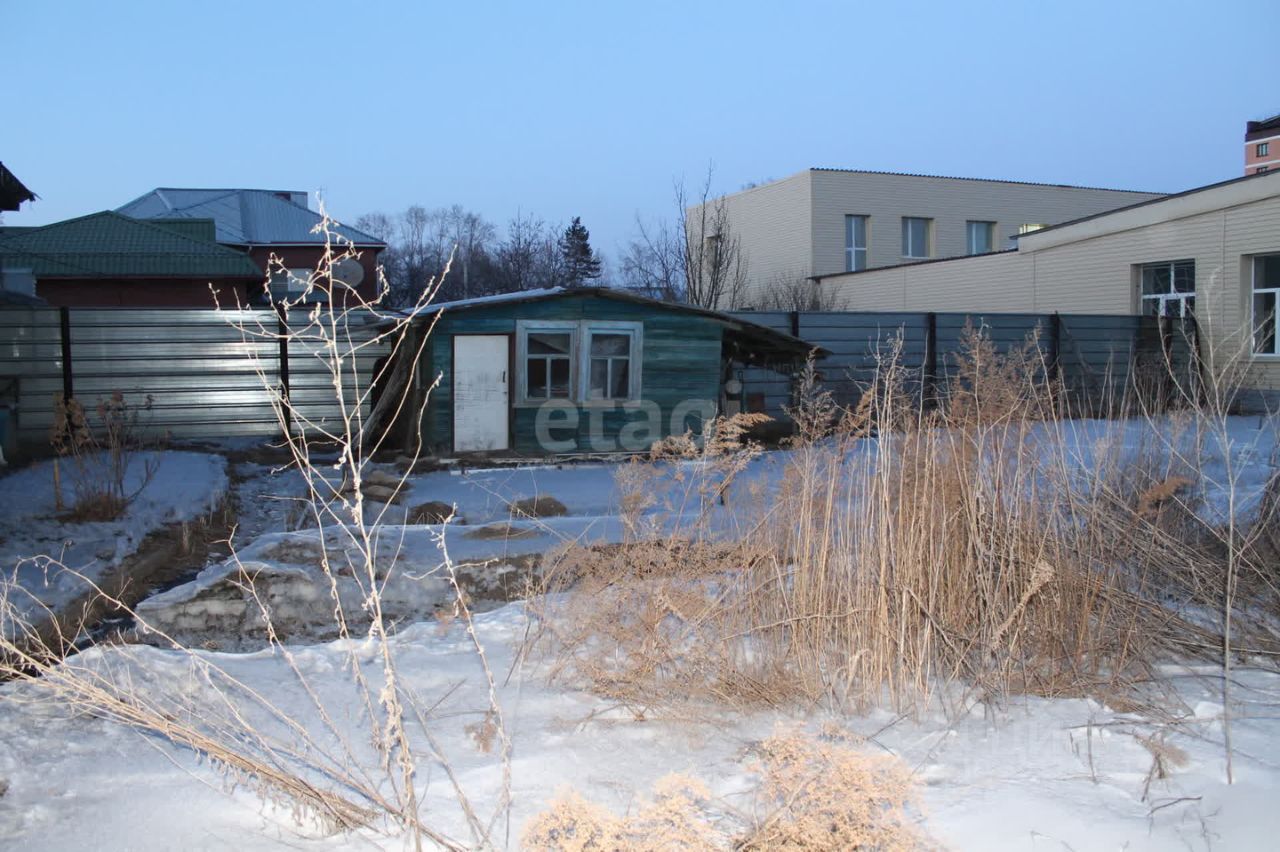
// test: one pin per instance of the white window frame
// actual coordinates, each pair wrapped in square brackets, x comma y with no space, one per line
[855,256]
[1263,149]
[523,329]
[294,279]
[580,332]
[635,331]
[1164,301]
[1254,290]
[970,228]
[908,248]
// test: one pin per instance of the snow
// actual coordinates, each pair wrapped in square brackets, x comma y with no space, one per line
[1034,773]
[186,485]
[1037,773]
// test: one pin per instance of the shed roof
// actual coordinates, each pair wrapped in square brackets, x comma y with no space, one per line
[109,245]
[748,336]
[247,217]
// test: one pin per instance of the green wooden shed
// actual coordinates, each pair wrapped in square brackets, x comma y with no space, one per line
[585,370]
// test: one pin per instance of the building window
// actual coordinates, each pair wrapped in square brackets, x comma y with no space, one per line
[915,237]
[980,237]
[1263,149]
[609,357]
[285,283]
[576,361]
[548,364]
[1169,288]
[1260,169]
[855,243]
[1266,298]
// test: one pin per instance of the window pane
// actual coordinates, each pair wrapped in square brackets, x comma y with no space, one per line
[611,344]
[1155,279]
[618,369]
[536,373]
[1264,322]
[599,378]
[547,343]
[915,235]
[559,378]
[1184,277]
[1266,272]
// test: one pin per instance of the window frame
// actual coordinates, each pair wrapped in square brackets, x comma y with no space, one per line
[852,251]
[1163,300]
[928,237]
[1254,291]
[523,329]
[580,332]
[989,227]
[1262,149]
[635,330]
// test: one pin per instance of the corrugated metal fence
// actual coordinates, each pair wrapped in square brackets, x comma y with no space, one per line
[205,376]
[1095,354]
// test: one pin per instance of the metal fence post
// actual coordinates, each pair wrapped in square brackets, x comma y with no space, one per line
[64,318]
[282,331]
[929,382]
[1055,346]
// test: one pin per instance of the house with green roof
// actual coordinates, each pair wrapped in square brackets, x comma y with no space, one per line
[108,259]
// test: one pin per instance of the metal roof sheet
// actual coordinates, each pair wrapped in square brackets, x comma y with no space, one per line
[244,216]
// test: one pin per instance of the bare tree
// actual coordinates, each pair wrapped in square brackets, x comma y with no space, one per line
[654,262]
[793,291]
[715,269]
[529,258]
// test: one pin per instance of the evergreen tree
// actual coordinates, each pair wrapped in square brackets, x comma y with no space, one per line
[580,263]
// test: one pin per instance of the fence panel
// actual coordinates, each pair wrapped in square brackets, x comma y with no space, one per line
[207,372]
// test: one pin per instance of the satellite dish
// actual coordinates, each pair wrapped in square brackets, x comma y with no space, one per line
[347,271]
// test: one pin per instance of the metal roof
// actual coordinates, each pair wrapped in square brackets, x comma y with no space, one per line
[109,245]
[244,217]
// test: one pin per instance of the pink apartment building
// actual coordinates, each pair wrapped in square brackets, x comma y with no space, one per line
[1262,145]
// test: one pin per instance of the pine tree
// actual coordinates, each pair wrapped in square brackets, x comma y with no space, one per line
[580,263]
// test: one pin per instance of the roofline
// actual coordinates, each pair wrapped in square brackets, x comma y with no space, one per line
[1049,229]
[927,176]
[145,223]
[819,278]
[619,295]
[986,180]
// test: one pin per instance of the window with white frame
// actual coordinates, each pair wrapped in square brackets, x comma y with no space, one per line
[1266,299]
[1260,169]
[855,243]
[1263,149]
[578,361]
[610,352]
[289,282]
[980,237]
[915,236]
[1169,288]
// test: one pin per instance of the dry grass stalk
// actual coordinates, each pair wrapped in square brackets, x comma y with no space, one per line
[101,453]
[348,777]
[906,549]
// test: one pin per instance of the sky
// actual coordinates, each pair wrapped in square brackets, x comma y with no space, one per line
[562,109]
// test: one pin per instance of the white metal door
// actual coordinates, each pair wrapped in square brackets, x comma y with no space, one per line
[480,410]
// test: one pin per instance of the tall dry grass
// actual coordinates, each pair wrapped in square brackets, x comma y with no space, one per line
[994,545]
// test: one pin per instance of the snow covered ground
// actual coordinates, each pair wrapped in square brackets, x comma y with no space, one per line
[1036,773]
[185,486]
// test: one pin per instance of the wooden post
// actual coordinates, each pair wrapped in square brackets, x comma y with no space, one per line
[64,317]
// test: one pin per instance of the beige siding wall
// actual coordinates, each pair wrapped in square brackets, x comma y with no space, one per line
[949,202]
[1098,275]
[772,224]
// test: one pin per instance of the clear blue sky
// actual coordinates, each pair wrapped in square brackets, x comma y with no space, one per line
[591,109]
